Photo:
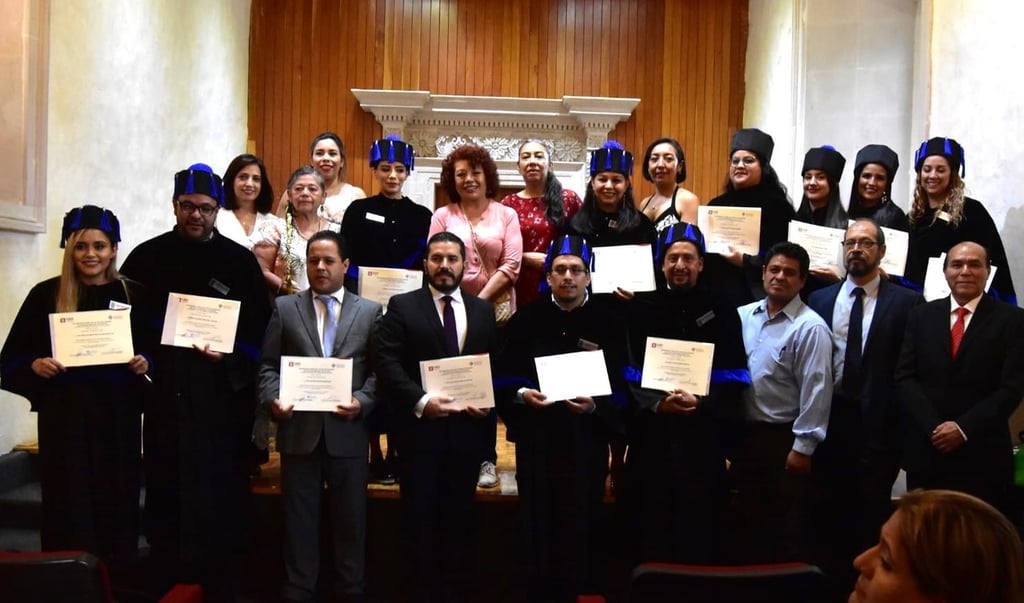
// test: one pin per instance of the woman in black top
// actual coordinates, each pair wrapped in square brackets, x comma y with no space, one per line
[942,216]
[871,194]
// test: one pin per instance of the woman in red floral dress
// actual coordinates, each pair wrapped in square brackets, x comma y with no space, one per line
[544,209]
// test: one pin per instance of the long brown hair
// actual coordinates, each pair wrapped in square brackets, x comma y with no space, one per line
[954,204]
[70,286]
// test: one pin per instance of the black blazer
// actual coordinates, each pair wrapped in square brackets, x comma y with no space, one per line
[979,389]
[879,409]
[411,331]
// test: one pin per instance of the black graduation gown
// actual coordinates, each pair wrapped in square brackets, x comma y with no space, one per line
[886,214]
[744,285]
[675,490]
[89,426]
[930,237]
[386,233]
[561,457]
[199,418]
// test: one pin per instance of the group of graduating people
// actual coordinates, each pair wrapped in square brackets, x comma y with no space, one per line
[812,407]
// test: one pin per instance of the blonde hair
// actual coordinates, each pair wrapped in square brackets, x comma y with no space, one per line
[960,548]
[954,204]
[70,287]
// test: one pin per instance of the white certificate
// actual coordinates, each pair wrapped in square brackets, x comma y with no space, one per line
[897,243]
[91,338]
[628,266]
[566,376]
[676,364]
[379,284]
[823,244]
[197,320]
[935,285]
[725,226]
[314,383]
[465,379]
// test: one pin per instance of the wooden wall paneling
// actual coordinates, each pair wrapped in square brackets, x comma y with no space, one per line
[684,60]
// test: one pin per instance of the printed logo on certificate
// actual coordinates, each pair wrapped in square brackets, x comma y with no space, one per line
[677,364]
[197,320]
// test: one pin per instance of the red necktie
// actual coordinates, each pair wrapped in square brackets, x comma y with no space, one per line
[957,334]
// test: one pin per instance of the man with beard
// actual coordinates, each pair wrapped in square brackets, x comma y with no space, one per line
[675,458]
[789,353]
[440,440]
[857,463]
[199,416]
[561,445]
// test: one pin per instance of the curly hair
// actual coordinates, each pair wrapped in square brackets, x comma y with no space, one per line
[265,200]
[954,204]
[477,156]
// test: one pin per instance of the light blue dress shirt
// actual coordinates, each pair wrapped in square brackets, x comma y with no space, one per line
[790,361]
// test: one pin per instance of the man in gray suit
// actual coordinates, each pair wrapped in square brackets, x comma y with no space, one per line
[323,321]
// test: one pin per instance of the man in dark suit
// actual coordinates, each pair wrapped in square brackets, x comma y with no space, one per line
[323,321]
[960,376]
[439,438]
[859,460]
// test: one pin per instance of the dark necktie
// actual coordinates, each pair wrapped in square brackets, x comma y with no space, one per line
[957,334]
[854,343]
[451,335]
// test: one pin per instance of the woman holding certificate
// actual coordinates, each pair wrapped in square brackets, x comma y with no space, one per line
[387,230]
[544,209]
[88,416]
[494,247]
[327,156]
[752,183]
[942,216]
[871,195]
[821,205]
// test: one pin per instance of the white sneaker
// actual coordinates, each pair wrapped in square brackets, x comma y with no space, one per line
[488,476]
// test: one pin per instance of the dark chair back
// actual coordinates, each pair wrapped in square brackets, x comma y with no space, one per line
[53,577]
[680,583]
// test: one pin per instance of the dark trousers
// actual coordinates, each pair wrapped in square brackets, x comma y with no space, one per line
[438,521]
[769,510]
[302,481]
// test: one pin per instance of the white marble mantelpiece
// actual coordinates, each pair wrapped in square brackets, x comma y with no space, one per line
[436,124]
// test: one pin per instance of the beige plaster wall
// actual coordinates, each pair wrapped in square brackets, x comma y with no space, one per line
[137,91]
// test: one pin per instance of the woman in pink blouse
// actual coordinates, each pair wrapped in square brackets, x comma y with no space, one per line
[544,209]
[494,245]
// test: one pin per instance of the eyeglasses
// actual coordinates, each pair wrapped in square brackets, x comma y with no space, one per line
[747,160]
[187,208]
[575,270]
[862,243]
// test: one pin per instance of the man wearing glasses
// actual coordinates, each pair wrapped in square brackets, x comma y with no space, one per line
[561,444]
[200,411]
[858,462]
